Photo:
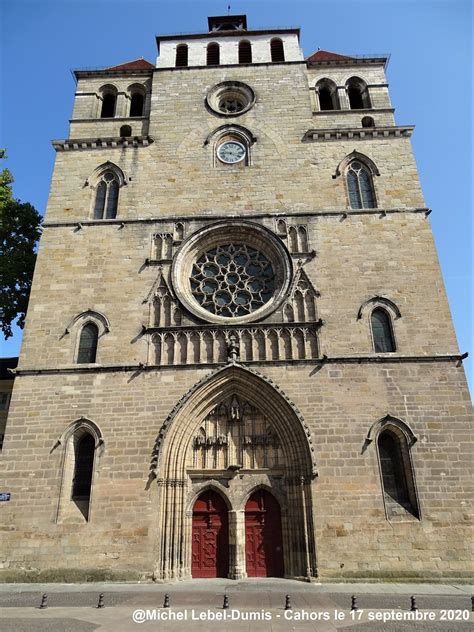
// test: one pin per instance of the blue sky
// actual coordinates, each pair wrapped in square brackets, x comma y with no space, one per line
[430,76]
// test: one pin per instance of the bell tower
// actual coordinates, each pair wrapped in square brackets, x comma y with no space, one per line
[238,357]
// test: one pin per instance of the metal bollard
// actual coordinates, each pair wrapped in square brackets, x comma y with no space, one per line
[354,605]
[100,603]
[166,602]
[287,602]
[44,601]
[413,606]
[225,605]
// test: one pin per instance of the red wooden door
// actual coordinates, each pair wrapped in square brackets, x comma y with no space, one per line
[210,538]
[263,539]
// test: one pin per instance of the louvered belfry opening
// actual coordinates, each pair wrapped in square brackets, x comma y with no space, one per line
[245,52]
[213,54]
[276,49]
[182,56]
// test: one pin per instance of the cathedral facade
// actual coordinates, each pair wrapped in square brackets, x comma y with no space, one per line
[238,358]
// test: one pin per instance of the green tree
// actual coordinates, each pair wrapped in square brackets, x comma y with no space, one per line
[20,229]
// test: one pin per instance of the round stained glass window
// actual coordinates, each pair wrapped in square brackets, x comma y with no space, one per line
[232,280]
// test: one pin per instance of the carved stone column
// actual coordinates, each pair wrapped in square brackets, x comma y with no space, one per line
[237,545]
[343,98]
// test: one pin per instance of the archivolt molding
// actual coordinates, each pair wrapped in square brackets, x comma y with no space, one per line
[379,301]
[90,315]
[355,155]
[208,392]
[83,423]
[199,488]
[227,129]
[388,421]
[96,175]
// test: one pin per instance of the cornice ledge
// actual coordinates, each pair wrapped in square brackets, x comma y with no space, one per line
[74,144]
[354,359]
[221,215]
[357,133]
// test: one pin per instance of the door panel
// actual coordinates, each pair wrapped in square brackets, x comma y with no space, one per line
[210,536]
[263,537]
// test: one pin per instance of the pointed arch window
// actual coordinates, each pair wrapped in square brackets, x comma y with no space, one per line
[360,186]
[245,52]
[213,54]
[382,332]
[276,49]
[83,467]
[87,351]
[181,56]
[396,474]
[106,198]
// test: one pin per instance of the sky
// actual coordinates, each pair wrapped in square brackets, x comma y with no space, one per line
[430,77]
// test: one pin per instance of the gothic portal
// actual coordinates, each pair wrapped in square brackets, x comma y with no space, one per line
[238,359]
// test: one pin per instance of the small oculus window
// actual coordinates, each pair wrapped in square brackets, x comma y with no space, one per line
[230,98]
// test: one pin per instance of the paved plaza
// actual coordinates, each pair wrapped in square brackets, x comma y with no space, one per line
[254,605]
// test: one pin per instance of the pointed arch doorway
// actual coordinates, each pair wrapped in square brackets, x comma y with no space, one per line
[263,536]
[210,536]
[234,433]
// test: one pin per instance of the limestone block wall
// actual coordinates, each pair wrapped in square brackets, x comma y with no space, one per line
[86,121]
[103,267]
[170,176]
[339,403]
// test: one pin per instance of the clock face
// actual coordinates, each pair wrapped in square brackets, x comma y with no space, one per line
[231,152]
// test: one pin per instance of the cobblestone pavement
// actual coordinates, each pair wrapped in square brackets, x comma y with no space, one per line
[257,605]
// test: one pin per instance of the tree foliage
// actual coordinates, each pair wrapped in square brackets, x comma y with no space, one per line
[20,229]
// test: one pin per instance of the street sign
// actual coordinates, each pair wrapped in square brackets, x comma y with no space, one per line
[5,496]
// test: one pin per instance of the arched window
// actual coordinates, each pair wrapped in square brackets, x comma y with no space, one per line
[109,101]
[106,198]
[181,55]
[83,467]
[358,94]
[397,475]
[327,93]
[382,333]
[136,104]
[277,50]
[125,130]
[87,351]
[368,121]
[360,186]
[213,54]
[245,52]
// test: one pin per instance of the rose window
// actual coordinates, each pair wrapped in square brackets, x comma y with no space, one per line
[232,280]
[231,106]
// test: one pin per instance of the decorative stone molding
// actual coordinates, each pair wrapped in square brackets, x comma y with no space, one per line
[356,155]
[379,301]
[357,133]
[71,144]
[388,421]
[175,346]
